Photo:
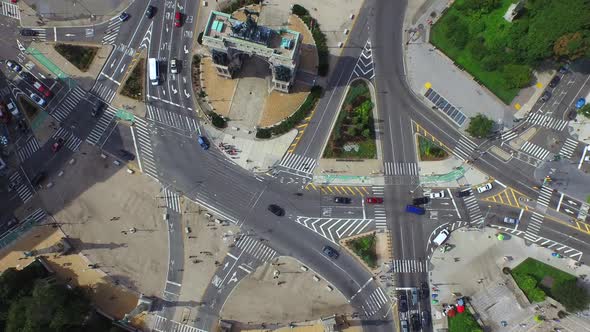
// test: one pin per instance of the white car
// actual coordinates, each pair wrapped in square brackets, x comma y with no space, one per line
[40,101]
[11,106]
[14,66]
[484,188]
[174,66]
[438,194]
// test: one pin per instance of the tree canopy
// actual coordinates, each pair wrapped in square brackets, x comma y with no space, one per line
[480,126]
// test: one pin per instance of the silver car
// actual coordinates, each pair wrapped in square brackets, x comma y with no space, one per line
[509,220]
[40,101]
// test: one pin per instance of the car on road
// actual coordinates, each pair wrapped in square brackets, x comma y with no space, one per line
[11,106]
[330,252]
[126,155]
[554,81]
[178,19]
[276,210]
[580,103]
[40,101]
[403,303]
[374,200]
[437,194]
[15,67]
[464,193]
[42,88]
[56,146]
[28,32]
[124,16]
[571,115]
[420,200]
[415,209]
[509,220]
[415,320]
[174,66]
[27,77]
[545,96]
[442,237]
[484,188]
[425,318]
[150,11]
[404,324]
[38,178]
[424,290]
[97,109]
[342,200]
[203,142]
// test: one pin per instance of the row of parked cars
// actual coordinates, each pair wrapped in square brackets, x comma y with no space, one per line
[42,90]
[417,321]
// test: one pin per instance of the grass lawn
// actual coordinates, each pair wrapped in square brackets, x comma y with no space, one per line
[464,322]
[493,28]
[366,248]
[430,151]
[540,270]
[353,135]
[79,56]
[133,87]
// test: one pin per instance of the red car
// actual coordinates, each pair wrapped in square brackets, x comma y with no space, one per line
[374,200]
[57,145]
[42,88]
[178,19]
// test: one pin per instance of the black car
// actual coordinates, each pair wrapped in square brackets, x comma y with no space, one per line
[27,77]
[276,210]
[28,32]
[554,81]
[545,96]
[464,193]
[150,11]
[342,200]
[420,200]
[571,115]
[415,321]
[330,252]
[425,318]
[124,16]
[38,179]
[126,155]
[403,303]
[97,108]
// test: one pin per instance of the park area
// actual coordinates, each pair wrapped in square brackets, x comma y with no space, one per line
[501,55]
[464,322]
[365,248]
[79,56]
[430,151]
[353,135]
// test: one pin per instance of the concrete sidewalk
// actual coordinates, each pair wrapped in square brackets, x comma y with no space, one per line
[69,13]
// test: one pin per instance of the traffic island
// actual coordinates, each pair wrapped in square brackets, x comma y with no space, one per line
[78,55]
[134,85]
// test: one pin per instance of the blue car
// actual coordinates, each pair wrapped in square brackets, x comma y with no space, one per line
[203,142]
[580,103]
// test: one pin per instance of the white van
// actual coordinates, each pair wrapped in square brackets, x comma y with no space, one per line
[154,71]
[441,237]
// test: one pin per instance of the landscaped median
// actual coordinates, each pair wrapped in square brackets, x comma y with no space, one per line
[133,87]
[78,55]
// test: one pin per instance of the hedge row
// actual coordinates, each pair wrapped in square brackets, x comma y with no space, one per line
[294,119]
[318,36]
[237,4]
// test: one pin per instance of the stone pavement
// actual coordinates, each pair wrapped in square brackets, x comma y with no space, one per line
[68,13]
[451,173]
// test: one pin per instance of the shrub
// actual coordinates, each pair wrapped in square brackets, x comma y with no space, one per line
[263,133]
[217,120]
[573,297]
[318,36]
[200,38]
[299,10]
[480,126]
[237,4]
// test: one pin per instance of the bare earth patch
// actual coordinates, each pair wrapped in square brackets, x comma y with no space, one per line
[219,90]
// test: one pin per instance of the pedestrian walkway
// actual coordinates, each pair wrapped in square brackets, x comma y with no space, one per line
[11,10]
[17,182]
[172,199]
[475,216]
[374,302]
[464,148]
[334,229]
[545,196]
[380,218]
[547,121]
[163,324]
[409,266]
[171,119]
[568,148]
[296,164]
[70,140]
[41,34]
[256,248]
[534,150]
[143,147]
[508,136]
[68,103]
[104,91]
[534,226]
[112,31]
[399,168]
[102,124]
[27,150]
[26,224]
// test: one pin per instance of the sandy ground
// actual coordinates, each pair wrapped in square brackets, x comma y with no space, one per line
[299,298]
[219,90]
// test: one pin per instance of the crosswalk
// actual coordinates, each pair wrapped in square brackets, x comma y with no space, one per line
[143,142]
[398,168]
[17,182]
[171,119]
[256,248]
[380,215]
[409,266]
[27,150]
[568,148]
[475,216]
[37,216]
[534,150]
[534,226]
[172,199]
[10,10]
[101,125]
[334,229]
[67,104]
[547,121]
[163,324]
[464,148]
[71,141]
[374,302]
[104,91]
[509,135]
[112,31]
[297,163]
[545,196]
[41,34]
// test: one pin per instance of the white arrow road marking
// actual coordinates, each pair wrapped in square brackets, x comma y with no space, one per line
[226,264]
[184,79]
[185,49]
[113,63]
[174,90]
[20,46]
[70,35]
[122,68]
[186,93]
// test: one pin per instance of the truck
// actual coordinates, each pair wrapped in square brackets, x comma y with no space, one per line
[154,71]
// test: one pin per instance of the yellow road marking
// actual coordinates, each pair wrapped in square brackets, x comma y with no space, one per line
[330,189]
[351,191]
[359,191]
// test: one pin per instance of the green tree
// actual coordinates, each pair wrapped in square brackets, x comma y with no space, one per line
[364,110]
[573,45]
[585,111]
[573,297]
[517,76]
[480,126]
[537,295]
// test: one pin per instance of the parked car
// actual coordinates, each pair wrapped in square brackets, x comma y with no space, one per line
[415,320]
[484,188]
[203,142]
[276,210]
[28,32]
[442,237]
[42,88]
[425,318]
[126,155]
[342,200]
[57,144]
[404,325]
[11,106]
[580,103]
[554,81]
[420,200]
[15,67]
[374,200]
[437,194]
[40,101]
[403,303]
[545,96]
[424,290]
[330,252]
[174,66]
[27,77]
[464,193]
[38,178]
[571,115]
[178,19]
[509,220]
[150,11]
[124,16]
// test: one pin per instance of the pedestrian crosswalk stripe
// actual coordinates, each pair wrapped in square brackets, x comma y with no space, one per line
[27,150]
[509,135]
[401,168]
[68,103]
[172,199]
[70,140]
[547,121]
[162,324]
[298,163]
[374,302]
[464,148]
[256,248]
[145,155]
[534,150]
[171,119]
[568,148]
[10,10]
[102,124]
[545,196]
[409,266]
[17,182]
[475,216]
